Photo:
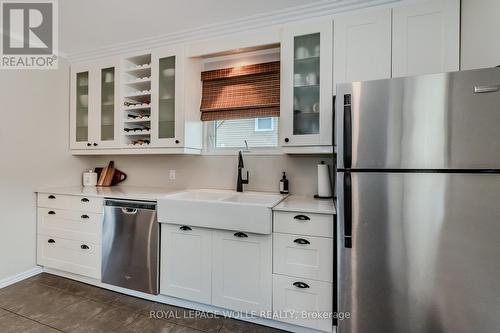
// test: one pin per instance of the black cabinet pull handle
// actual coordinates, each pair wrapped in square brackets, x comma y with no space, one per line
[85,200]
[95,144]
[301,241]
[185,228]
[51,241]
[240,235]
[177,141]
[302,218]
[301,285]
[52,196]
[85,216]
[51,212]
[89,144]
[84,247]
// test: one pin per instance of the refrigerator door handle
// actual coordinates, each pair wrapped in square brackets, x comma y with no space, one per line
[347,211]
[347,132]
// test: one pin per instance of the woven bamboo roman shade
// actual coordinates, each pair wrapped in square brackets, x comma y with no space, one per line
[251,91]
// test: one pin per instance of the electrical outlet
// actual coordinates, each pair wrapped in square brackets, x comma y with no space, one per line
[171,174]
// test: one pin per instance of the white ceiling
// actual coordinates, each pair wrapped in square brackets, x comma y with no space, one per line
[90,24]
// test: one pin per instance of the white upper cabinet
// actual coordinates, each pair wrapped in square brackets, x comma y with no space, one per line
[167,123]
[94,103]
[362,46]
[426,38]
[306,86]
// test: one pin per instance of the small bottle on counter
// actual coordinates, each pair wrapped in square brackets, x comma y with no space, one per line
[284,185]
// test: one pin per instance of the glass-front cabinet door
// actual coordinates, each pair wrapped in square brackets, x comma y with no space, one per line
[306,101]
[166,126]
[81,115]
[108,102]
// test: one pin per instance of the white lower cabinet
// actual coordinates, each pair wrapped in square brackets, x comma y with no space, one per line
[303,256]
[186,262]
[303,302]
[69,255]
[69,229]
[242,271]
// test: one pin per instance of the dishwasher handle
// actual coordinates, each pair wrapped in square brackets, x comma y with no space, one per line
[130,205]
[130,211]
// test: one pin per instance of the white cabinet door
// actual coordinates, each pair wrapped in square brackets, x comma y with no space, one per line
[186,262]
[242,271]
[83,115]
[362,46]
[109,116]
[167,93]
[426,38]
[306,85]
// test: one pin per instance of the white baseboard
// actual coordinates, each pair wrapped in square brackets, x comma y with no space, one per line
[21,276]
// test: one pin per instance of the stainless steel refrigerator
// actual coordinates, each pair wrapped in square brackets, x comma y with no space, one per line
[418,194]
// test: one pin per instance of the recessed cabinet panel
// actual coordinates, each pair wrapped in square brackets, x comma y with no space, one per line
[242,271]
[426,38]
[362,46]
[186,262]
[82,107]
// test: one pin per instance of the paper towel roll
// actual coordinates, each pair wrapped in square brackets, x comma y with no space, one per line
[324,181]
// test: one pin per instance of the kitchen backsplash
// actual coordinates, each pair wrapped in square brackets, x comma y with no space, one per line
[218,171]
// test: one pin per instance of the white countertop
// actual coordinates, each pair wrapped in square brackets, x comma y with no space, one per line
[119,192]
[295,203]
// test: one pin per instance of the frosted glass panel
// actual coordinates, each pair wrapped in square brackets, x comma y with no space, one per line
[82,106]
[166,102]
[306,84]
[108,104]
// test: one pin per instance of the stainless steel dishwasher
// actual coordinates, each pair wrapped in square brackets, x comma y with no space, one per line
[130,248]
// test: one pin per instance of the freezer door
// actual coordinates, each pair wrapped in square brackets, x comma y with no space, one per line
[438,121]
[424,255]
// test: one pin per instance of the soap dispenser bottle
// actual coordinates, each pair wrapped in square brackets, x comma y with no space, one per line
[284,185]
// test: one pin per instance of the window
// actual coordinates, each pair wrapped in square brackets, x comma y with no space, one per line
[233,133]
[264,124]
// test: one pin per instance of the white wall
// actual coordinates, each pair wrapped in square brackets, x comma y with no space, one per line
[218,171]
[480,33]
[34,130]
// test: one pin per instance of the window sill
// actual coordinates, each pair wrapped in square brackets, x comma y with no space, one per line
[252,152]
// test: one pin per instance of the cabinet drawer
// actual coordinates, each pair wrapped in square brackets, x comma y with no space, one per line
[304,224]
[303,256]
[70,202]
[302,296]
[68,224]
[69,256]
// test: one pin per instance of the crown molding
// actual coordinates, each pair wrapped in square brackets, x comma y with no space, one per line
[315,10]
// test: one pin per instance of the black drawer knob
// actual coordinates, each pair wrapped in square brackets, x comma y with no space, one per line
[95,144]
[185,228]
[177,141]
[301,241]
[89,144]
[85,200]
[240,235]
[302,218]
[51,241]
[301,285]
[52,197]
[51,212]
[84,247]
[287,140]
[85,217]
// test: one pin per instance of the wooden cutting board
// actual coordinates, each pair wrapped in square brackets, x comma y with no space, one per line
[118,177]
[106,177]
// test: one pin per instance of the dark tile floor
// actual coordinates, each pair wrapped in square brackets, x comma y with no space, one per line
[47,303]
